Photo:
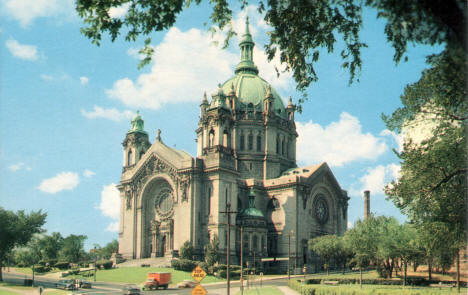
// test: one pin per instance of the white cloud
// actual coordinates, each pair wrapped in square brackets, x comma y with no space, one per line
[25,11]
[47,77]
[110,201]
[110,114]
[350,225]
[119,11]
[376,178]
[60,182]
[18,166]
[84,80]
[26,52]
[113,227]
[88,173]
[185,64]
[339,143]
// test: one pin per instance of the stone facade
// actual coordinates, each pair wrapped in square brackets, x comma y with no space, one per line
[246,161]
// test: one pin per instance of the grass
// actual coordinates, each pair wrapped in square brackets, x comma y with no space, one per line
[349,275]
[262,291]
[355,289]
[137,275]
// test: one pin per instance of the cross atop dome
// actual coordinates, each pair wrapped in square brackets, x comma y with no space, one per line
[247,44]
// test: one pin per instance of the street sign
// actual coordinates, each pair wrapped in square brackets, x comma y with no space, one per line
[198,274]
[198,290]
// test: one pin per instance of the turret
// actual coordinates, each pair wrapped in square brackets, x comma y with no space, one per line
[290,110]
[136,142]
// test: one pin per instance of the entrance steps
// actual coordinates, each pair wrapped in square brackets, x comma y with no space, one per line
[153,262]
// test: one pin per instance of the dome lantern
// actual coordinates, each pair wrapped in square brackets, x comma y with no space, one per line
[246,64]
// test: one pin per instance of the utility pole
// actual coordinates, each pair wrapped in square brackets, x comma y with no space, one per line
[95,262]
[289,253]
[242,260]
[228,212]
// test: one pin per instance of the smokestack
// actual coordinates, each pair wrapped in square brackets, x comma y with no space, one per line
[366,204]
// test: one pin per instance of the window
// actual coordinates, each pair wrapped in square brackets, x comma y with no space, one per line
[277,144]
[225,139]
[250,142]
[283,150]
[255,243]
[209,200]
[242,142]
[141,154]
[129,157]
[259,143]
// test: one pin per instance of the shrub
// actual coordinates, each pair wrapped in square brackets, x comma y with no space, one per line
[42,262]
[51,262]
[212,251]
[62,265]
[41,268]
[175,264]
[187,251]
[205,267]
[106,264]
[183,264]
[145,265]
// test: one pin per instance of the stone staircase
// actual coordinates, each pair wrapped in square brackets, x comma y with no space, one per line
[153,262]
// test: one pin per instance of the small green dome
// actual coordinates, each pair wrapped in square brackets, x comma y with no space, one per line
[251,211]
[137,124]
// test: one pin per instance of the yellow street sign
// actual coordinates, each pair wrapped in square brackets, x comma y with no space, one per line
[198,273]
[198,290]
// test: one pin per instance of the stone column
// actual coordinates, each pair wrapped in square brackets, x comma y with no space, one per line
[366,204]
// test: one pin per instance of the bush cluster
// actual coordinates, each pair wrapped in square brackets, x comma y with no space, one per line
[62,265]
[41,268]
[104,264]
[183,264]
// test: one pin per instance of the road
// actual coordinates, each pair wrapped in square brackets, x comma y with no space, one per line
[115,288]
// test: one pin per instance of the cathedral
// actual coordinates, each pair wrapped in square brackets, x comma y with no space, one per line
[245,164]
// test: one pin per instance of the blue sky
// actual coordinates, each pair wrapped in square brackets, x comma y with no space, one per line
[65,106]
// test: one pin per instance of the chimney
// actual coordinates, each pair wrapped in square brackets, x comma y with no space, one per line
[366,204]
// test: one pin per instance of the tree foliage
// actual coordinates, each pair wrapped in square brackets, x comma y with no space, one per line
[300,29]
[432,187]
[212,251]
[16,229]
[187,251]
[328,247]
[73,248]
[107,251]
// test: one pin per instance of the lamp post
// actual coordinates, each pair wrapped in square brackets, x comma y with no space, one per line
[228,212]
[95,262]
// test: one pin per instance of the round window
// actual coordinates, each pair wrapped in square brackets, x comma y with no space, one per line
[321,209]
[164,203]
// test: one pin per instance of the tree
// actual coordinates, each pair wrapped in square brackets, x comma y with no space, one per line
[327,247]
[212,251]
[73,248]
[107,251]
[16,229]
[51,245]
[433,183]
[187,251]
[299,29]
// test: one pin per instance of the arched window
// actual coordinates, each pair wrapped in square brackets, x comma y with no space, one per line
[263,244]
[259,143]
[277,144]
[287,148]
[246,242]
[225,138]
[283,149]
[242,142]
[250,142]
[211,139]
[129,157]
[141,154]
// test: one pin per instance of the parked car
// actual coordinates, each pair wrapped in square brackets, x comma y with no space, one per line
[82,284]
[186,284]
[131,290]
[66,284]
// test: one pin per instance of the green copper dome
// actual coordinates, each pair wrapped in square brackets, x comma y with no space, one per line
[251,211]
[247,85]
[137,124]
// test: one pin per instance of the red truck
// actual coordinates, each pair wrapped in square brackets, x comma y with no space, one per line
[156,280]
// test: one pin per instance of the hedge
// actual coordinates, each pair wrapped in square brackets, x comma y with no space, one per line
[41,268]
[183,264]
[106,264]
[62,265]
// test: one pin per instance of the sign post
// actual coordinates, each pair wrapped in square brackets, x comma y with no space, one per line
[198,274]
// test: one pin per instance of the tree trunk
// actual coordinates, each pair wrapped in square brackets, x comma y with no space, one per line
[1,274]
[360,277]
[344,267]
[404,277]
[429,269]
[458,271]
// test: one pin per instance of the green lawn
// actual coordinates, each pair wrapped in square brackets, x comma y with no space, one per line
[262,291]
[350,275]
[137,275]
[21,289]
